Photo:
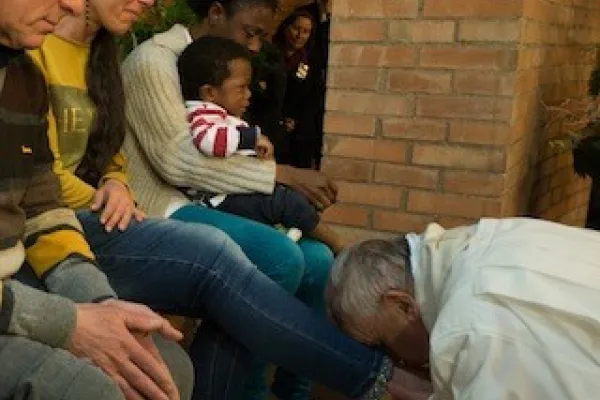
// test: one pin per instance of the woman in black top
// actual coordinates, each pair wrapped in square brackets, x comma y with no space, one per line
[294,39]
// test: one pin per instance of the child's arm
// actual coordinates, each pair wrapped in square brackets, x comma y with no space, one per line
[216,134]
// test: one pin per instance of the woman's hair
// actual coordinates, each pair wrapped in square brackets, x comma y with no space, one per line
[279,39]
[206,62]
[105,89]
[201,7]
[364,272]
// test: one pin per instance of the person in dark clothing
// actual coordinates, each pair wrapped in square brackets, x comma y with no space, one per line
[268,93]
[302,103]
[320,10]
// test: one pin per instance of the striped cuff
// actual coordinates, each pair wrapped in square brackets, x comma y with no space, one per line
[79,280]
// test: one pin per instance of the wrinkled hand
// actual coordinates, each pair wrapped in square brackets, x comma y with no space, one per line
[115,336]
[117,205]
[405,385]
[264,148]
[289,124]
[320,190]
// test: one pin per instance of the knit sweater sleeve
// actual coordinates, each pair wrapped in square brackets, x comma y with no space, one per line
[156,115]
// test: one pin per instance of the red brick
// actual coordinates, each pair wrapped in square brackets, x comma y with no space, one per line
[368,103]
[349,124]
[375,195]
[353,78]
[484,159]
[483,108]
[452,205]
[475,82]
[507,84]
[349,55]
[468,58]
[473,8]
[382,150]
[561,177]
[419,81]
[417,129]
[347,169]
[453,222]
[475,183]
[358,31]
[356,234]
[399,222]
[346,215]
[489,31]
[422,31]
[406,176]
[376,8]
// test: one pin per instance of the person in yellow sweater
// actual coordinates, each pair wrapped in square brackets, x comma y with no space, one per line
[172,266]
[63,333]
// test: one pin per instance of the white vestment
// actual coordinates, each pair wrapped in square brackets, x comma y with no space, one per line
[513,309]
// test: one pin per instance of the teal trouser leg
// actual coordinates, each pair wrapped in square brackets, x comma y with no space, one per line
[301,268]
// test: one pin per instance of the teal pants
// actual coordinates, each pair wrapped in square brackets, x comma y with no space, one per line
[300,268]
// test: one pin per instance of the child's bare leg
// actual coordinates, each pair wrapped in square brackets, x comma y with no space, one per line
[327,235]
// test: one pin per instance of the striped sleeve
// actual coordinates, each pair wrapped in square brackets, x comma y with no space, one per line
[216,134]
[51,238]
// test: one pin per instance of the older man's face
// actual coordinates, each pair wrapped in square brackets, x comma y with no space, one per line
[24,23]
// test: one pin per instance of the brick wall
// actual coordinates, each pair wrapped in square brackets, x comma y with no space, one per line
[434,109]
[556,59]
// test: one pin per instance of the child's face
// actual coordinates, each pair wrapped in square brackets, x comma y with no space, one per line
[234,93]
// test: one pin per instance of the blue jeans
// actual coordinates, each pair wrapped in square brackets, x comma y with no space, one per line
[198,271]
[300,268]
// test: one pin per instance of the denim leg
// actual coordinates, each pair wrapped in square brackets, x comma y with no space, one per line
[270,250]
[319,259]
[222,364]
[273,253]
[196,270]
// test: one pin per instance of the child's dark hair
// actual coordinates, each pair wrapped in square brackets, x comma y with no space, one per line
[206,62]
[201,7]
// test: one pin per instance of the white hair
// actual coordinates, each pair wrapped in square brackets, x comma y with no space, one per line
[362,274]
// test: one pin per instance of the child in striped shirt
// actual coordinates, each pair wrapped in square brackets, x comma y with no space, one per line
[215,75]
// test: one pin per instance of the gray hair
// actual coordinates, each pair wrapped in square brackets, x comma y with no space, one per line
[362,274]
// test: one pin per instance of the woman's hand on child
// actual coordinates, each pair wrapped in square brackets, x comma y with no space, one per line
[264,148]
[316,186]
[117,205]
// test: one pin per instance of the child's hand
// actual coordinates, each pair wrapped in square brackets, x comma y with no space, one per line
[264,148]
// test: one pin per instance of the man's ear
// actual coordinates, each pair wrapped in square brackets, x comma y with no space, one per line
[395,298]
[208,93]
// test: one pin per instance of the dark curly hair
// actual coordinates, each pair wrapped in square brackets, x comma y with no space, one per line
[206,62]
[105,89]
[201,7]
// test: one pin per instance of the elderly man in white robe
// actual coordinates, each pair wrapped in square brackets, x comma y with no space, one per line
[503,309]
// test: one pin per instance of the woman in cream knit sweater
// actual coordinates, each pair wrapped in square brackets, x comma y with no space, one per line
[163,158]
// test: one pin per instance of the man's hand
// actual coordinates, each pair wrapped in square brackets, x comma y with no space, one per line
[115,337]
[264,148]
[405,385]
[117,205]
[320,190]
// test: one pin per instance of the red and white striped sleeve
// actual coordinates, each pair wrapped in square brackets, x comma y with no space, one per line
[217,134]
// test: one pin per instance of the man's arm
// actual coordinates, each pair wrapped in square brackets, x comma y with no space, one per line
[36,315]
[54,243]
[488,365]
[157,116]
